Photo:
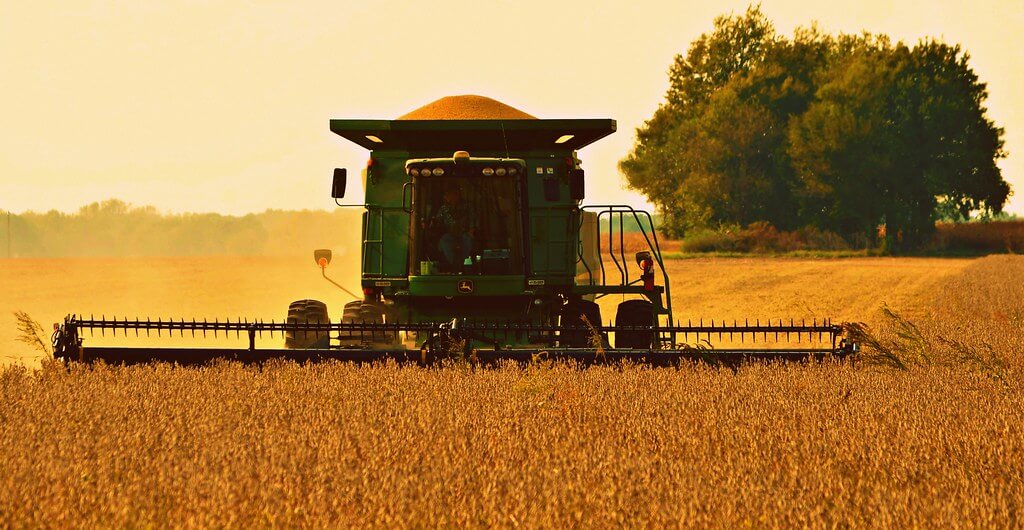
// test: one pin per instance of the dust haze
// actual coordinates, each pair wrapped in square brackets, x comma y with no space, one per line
[113,259]
[114,228]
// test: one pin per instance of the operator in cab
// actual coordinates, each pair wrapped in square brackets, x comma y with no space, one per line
[459,224]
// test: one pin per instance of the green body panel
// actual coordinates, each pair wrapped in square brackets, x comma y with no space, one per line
[448,285]
[385,223]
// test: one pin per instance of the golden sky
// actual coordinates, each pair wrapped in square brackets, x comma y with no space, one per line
[224,106]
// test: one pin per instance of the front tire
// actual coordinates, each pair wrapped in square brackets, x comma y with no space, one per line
[572,314]
[307,312]
[365,312]
[635,313]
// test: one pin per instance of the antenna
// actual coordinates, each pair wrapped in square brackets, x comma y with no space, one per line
[505,139]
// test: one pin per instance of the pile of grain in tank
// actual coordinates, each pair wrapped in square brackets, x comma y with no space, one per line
[468,107]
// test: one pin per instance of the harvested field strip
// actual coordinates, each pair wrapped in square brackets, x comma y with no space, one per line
[844,290]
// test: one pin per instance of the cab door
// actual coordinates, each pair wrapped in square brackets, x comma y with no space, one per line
[552,220]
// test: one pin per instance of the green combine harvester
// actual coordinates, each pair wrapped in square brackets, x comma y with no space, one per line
[476,245]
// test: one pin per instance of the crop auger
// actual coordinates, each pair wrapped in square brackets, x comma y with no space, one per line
[483,257]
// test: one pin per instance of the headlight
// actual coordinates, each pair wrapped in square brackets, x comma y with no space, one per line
[500,171]
[512,171]
[414,172]
[488,171]
[438,172]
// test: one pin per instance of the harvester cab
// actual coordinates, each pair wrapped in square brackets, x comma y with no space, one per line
[475,241]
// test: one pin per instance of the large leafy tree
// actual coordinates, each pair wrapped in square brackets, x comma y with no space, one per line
[844,133]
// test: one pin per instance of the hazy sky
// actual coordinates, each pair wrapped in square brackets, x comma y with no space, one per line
[224,106]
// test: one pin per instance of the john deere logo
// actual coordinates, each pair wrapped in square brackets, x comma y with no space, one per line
[465,286]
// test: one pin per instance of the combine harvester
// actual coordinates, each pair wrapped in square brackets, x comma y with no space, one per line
[475,245]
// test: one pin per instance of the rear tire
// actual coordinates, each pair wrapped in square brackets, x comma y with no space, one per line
[571,317]
[635,313]
[303,312]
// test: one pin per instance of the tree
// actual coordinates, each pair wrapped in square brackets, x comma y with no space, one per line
[716,151]
[893,134]
[959,144]
[838,147]
[842,133]
[741,145]
[654,167]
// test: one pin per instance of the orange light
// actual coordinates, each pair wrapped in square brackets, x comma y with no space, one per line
[322,262]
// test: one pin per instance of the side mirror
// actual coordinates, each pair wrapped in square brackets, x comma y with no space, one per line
[340,179]
[576,187]
[322,257]
[408,196]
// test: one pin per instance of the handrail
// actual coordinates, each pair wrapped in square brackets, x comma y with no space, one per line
[651,240]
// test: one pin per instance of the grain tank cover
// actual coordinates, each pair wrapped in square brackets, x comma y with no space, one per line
[472,122]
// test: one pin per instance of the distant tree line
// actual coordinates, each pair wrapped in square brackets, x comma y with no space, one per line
[116,228]
[844,133]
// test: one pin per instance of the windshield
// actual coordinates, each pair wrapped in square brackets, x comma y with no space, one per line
[466,225]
